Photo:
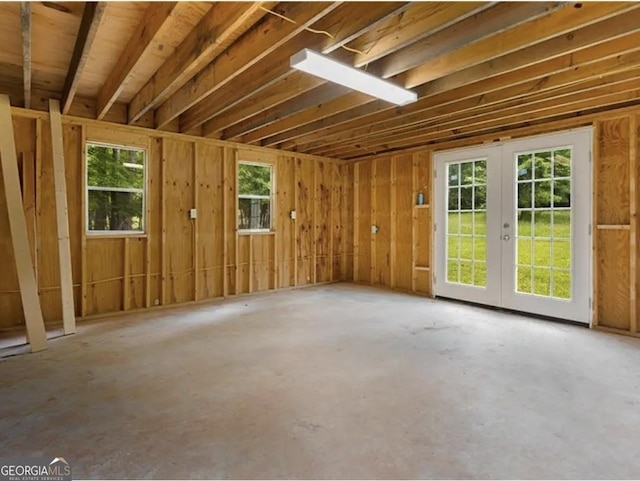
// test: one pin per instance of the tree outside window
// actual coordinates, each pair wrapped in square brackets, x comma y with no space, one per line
[115,189]
[255,183]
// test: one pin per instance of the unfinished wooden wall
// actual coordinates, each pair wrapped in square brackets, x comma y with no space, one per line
[616,243]
[178,259]
[398,255]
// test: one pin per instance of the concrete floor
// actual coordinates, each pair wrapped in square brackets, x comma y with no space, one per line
[339,381]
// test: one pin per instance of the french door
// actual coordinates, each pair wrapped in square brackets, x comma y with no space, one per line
[513,225]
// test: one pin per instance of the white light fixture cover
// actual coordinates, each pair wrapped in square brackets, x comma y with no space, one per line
[324,67]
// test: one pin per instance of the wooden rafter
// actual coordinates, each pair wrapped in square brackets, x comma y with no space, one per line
[255,45]
[348,22]
[140,44]
[223,24]
[25,23]
[575,41]
[89,24]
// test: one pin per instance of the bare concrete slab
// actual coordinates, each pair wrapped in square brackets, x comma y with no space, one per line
[339,381]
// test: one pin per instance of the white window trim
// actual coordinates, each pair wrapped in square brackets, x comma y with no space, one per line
[88,188]
[252,196]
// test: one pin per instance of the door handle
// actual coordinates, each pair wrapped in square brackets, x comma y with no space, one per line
[506,237]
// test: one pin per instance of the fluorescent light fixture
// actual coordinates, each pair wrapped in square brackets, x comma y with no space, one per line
[324,67]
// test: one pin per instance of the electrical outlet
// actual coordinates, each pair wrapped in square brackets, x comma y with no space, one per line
[157,302]
[374,229]
[192,214]
[292,215]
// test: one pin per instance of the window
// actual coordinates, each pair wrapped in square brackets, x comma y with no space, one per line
[115,189]
[255,183]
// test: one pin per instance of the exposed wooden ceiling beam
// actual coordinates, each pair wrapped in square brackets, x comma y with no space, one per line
[25,23]
[548,25]
[89,24]
[483,23]
[598,88]
[255,45]
[573,41]
[223,24]
[497,123]
[514,96]
[140,44]
[345,23]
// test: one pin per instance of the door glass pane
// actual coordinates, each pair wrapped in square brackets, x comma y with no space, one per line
[543,231]
[466,223]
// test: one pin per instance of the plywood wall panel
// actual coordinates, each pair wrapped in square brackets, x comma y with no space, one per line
[322,211]
[136,272]
[305,172]
[262,262]
[285,226]
[105,269]
[154,218]
[613,172]
[337,230]
[347,220]
[179,158]
[363,259]
[244,264]
[613,279]
[209,221]
[404,216]
[382,240]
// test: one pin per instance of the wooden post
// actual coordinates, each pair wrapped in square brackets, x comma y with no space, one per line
[147,241]
[235,216]
[163,248]
[356,221]
[225,222]
[251,266]
[62,217]
[126,305]
[394,214]
[83,217]
[372,236]
[36,334]
[594,222]
[315,226]
[196,261]
[633,221]
[296,232]
[414,225]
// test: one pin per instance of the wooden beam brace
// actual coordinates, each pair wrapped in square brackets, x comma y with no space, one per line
[36,334]
[25,22]
[89,24]
[62,218]
[252,47]
[140,44]
[219,28]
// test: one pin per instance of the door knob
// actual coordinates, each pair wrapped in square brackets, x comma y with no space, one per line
[506,237]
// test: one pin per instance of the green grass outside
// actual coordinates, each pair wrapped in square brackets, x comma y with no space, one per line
[543,263]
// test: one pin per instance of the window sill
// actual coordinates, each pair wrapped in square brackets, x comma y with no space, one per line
[256,232]
[115,235]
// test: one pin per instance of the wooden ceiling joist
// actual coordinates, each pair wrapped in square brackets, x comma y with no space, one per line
[219,28]
[574,41]
[252,47]
[91,18]
[346,22]
[157,16]
[25,23]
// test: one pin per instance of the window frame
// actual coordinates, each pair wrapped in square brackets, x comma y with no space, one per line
[88,188]
[271,196]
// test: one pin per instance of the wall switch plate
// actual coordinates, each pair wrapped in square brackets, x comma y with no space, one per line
[192,214]
[292,215]
[374,229]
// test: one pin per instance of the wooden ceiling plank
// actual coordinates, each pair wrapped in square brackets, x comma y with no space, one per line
[252,47]
[383,38]
[516,95]
[224,23]
[320,95]
[578,41]
[556,23]
[500,124]
[349,21]
[89,24]
[25,23]
[420,20]
[156,17]
[598,89]
[487,23]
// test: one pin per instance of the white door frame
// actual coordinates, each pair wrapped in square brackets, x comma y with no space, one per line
[498,201]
